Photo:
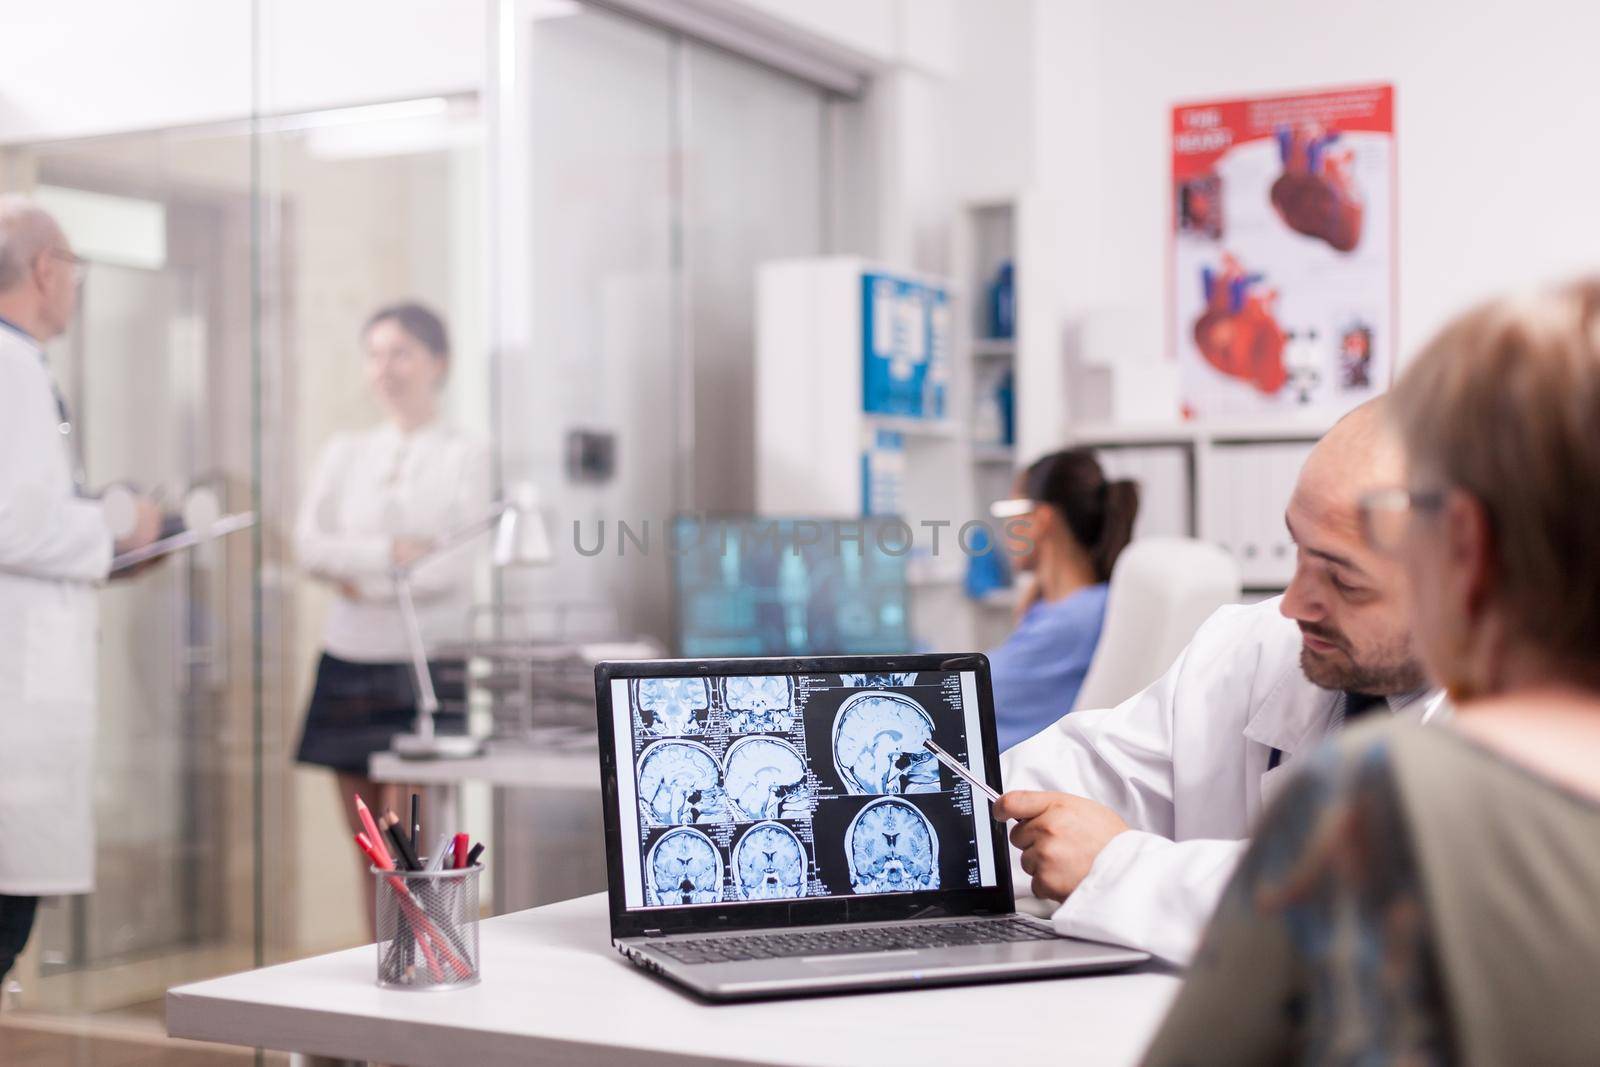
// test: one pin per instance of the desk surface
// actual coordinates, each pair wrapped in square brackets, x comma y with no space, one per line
[509,765]
[554,991]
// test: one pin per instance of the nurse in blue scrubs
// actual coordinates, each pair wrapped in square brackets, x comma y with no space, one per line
[1067,525]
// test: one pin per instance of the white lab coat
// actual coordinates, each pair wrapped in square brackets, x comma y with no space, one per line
[1185,763]
[54,550]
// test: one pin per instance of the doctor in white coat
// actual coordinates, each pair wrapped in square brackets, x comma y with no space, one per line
[1134,817]
[55,548]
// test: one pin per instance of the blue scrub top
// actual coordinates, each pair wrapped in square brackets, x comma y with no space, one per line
[1039,670]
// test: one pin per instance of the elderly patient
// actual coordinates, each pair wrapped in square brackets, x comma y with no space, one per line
[1434,895]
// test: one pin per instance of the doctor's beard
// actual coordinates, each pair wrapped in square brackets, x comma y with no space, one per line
[1388,669]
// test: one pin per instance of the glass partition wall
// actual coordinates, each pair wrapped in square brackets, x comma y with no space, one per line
[586,212]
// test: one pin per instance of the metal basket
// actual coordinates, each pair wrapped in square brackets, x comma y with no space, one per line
[427,928]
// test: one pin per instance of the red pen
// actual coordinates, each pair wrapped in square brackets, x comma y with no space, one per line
[461,852]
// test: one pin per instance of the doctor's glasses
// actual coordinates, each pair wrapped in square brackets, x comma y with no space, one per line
[79,265]
[1386,513]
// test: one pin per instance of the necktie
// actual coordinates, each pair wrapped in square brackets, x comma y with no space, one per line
[1358,705]
[1355,706]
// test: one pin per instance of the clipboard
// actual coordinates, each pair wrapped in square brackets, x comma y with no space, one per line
[187,539]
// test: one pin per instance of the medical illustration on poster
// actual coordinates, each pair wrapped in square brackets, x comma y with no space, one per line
[1282,257]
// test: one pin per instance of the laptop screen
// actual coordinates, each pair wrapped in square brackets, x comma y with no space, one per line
[744,789]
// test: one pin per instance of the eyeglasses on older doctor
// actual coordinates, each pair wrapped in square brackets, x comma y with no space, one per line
[80,266]
[1385,514]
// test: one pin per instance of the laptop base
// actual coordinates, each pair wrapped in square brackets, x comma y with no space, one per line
[799,976]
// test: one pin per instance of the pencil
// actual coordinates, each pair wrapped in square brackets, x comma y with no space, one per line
[372,832]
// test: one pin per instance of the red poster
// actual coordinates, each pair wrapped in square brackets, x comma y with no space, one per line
[1282,291]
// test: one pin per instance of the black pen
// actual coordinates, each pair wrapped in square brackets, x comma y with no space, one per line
[402,846]
[472,857]
[416,827]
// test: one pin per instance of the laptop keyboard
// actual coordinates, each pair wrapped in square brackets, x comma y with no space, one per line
[851,940]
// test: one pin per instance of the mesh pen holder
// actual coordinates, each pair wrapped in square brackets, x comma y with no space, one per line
[427,928]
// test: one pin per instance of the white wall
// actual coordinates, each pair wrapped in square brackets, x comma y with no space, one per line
[919,34]
[1495,115]
[1070,100]
[74,68]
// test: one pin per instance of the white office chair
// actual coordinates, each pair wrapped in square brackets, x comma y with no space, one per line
[1162,589]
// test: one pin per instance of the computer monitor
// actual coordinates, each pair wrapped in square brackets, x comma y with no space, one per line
[750,586]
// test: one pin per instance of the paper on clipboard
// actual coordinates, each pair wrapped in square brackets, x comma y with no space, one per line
[187,539]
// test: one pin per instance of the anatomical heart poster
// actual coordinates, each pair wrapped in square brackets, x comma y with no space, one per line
[1283,251]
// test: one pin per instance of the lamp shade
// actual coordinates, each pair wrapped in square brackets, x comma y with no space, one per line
[520,537]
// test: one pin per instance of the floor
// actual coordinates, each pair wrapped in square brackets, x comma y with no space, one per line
[127,1039]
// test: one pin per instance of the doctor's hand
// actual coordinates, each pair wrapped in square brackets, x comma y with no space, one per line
[146,525]
[404,551]
[1059,835]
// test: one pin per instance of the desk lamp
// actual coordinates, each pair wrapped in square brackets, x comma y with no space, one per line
[519,539]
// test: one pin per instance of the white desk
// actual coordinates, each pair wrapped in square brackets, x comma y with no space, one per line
[554,991]
[514,766]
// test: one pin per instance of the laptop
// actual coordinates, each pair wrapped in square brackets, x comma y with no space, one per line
[778,827]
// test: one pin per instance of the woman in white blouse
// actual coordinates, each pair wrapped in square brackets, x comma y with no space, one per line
[378,499]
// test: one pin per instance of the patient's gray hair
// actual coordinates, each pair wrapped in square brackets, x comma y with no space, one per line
[26,231]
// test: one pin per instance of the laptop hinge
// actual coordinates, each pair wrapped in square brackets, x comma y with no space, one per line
[654,933]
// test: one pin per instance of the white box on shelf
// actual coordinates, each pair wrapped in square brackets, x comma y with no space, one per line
[1249,492]
[1162,473]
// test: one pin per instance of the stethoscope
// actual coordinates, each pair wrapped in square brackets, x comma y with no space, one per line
[80,479]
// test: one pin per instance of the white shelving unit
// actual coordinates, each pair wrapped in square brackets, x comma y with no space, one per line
[812,429]
[812,426]
[987,236]
[1224,482]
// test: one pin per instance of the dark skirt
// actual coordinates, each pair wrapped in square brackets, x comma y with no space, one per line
[357,708]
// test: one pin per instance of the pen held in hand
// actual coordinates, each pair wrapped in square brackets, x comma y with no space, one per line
[961,771]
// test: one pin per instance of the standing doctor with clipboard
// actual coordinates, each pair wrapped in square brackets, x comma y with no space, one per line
[55,549]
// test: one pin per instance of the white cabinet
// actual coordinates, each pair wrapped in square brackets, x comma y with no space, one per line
[1224,483]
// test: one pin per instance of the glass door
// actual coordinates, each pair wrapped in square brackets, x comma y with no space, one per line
[659,173]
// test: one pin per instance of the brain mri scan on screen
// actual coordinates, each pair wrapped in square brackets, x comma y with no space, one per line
[892,848]
[879,681]
[684,867]
[759,703]
[680,782]
[672,707]
[877,745]
[765,778]
[769,863]
[795,787]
